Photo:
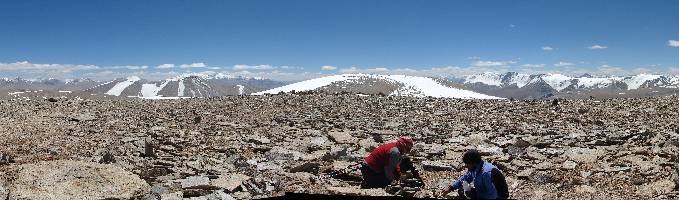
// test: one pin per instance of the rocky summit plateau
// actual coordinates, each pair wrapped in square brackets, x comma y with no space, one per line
[249,147]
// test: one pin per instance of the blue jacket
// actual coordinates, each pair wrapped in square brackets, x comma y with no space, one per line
[481,177]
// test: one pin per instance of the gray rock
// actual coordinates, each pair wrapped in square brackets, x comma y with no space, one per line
[342,137]
[64,179]
[3,192]
[336,152]
[279,153]
[172,196]
[219,195]
[149,150]
[569,164]
[230,182]
[436,166]
[196,182]
[107,158]
[311,167]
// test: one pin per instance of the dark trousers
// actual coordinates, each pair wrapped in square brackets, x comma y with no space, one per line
[465,195]
[373,179]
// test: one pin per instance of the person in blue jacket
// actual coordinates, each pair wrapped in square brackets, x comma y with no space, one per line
[481,181]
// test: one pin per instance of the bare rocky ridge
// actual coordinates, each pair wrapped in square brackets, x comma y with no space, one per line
[369,86]
[260,146]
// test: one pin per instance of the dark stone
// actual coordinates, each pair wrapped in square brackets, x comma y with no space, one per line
[310,167]
[107,158]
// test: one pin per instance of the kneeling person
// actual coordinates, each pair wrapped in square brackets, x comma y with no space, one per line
[382,166]
[481,181]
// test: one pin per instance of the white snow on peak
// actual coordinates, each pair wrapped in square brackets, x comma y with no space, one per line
[595,82]
[488,78]
[310,84]
[557,81]
[635,82]
[151,90]
[560,82]
[117,89]
[424,86]
[673,81]
[520,80]
[240,89]
[491,78]
[180,90]
[413,86]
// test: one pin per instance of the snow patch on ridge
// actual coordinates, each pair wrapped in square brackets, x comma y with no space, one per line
[120,87]
[488,78]
[413,86]
[180,90]
[557,81]
[151,90]
[635,82]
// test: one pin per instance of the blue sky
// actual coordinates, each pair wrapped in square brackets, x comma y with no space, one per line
[295,39]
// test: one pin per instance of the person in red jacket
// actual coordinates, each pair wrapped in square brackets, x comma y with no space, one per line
[381,167]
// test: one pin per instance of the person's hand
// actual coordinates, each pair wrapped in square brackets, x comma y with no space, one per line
[402,177]
[442,193]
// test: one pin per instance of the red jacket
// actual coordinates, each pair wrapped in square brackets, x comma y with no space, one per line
[386,156]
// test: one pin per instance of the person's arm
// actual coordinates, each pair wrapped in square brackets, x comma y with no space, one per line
[394,161]
[457,184]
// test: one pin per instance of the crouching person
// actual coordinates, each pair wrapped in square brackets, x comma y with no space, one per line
[382,166]
[481,181]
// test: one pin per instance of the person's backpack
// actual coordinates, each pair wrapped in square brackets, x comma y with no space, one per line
[500,183]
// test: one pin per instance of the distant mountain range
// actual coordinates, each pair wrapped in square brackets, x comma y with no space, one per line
[479,86]
[186,85]
[526,86]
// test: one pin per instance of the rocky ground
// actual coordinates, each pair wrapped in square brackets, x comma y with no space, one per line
[262,146]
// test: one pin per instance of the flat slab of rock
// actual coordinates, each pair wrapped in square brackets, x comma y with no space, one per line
[342,137]
[65,179]
[436,166]
[356,191]
[230,182]
[196,182]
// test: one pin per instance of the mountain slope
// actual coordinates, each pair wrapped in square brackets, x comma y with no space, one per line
[188,85]
[398,85]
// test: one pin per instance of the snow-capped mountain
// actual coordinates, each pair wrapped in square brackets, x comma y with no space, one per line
[518,85]
[186,85]
[399,85]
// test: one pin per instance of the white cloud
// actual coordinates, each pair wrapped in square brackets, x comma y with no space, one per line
[547,48]
[328,68]
[610,70]
[133,67]
[563,64]
[673,70]
[110,74]
[193,65]
[25,65]
[596,46]
[165,66]
[533,65]
[252,67]
[673,43]
[279,75]
[354,70]
[474,58]
[27,69]
[482,63]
